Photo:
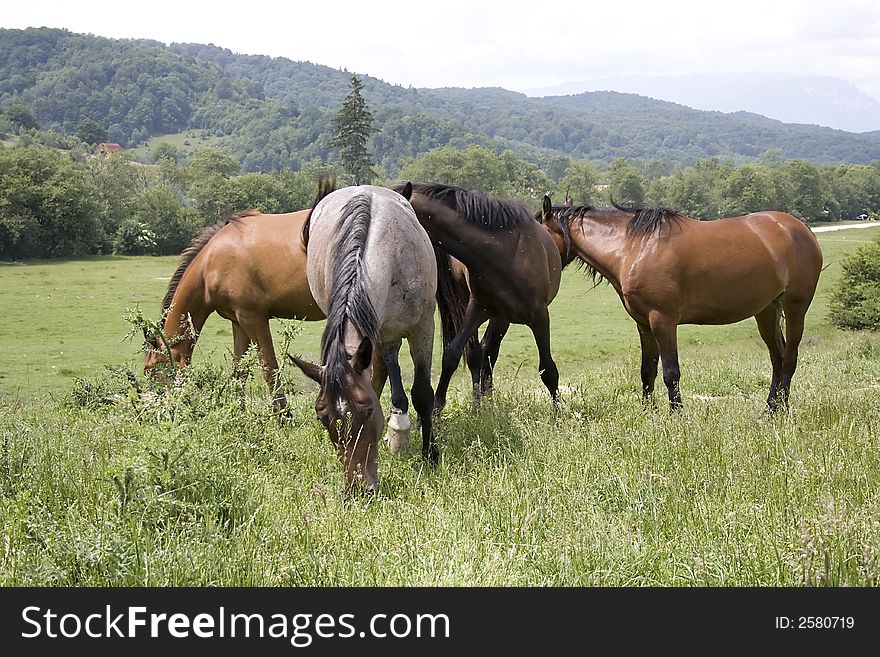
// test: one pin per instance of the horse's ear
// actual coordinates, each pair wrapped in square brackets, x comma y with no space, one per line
[407,191]
[546,208]
[309,369]
[363,357]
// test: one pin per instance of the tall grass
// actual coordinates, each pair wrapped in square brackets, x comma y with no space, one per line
[107,480]
[126,485]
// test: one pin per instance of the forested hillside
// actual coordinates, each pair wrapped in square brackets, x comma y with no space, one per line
[274,113]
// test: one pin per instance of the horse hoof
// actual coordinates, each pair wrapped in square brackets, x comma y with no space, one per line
[398,437]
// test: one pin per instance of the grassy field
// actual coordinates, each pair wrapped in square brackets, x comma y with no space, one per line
[186,142]
[63,319]
[105,482]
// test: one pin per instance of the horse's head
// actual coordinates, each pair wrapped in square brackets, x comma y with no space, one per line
[158,359]
[352,415]
[154,354]
[558,229]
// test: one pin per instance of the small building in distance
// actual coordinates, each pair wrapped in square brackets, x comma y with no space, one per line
[106,148]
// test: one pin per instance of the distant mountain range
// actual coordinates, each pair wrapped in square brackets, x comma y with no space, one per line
[274,113]
[823,101]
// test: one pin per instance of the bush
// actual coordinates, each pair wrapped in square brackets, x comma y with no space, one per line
[855,301]
[134,238]
[171,225]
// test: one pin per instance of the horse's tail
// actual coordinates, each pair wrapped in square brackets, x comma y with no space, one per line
[325,186]
[349,298]
[452,301]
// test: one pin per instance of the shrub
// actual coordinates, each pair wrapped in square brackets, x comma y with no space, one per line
[134,238]
[855,301]
[170,225]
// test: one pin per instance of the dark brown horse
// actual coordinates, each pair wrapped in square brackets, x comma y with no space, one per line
[670,269]
[248,268]
[510,274]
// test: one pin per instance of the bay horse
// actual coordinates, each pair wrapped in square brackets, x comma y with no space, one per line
[504,268]
[372,271]
[670,269]
[248,268]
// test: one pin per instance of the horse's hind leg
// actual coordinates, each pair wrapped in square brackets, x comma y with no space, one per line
[549,372]
[490,345]
[398,437]
[794,331]
[650,358]
[421,346]
[771,332]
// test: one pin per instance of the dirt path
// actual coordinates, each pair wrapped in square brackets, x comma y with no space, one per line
[826,229]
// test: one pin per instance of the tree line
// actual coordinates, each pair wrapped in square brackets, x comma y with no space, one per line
[61,203]
[59,198]
[67,202]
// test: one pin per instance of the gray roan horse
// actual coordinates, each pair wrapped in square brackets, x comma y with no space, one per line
[372,270]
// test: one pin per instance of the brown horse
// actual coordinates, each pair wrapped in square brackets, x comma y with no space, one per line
[510,274]
[248,268]
[669,269]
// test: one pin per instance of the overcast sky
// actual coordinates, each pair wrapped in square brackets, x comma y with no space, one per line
[512,44]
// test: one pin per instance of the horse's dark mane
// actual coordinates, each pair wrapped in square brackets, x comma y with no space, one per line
[476,207]
[349,301]
[564,215]
[644,222]
[195,247]
[647,220]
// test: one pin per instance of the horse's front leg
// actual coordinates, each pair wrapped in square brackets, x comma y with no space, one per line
[650,359]
[240,344]
[257,327]
[380,374]
[490,345]
[549,372]
[398,436]
[665,332]
[473,354]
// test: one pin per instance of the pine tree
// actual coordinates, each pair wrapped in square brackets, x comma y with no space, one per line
[353,127]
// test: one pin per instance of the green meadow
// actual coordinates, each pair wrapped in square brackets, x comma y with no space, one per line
[185,142]
[106,480]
